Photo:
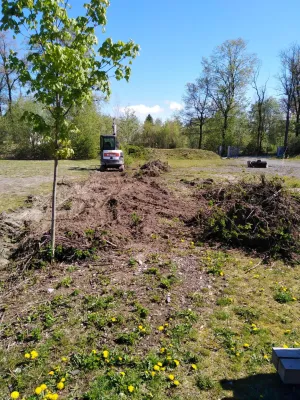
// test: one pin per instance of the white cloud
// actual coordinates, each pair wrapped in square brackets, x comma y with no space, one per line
[174,106]
[144,110]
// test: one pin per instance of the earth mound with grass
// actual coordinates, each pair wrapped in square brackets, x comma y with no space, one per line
[259,215]
[183,154]
[154,168]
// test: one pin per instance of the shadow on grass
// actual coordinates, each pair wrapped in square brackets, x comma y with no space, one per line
[96,168]
[261,386]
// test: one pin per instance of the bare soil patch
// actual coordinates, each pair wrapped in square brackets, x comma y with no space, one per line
[107,211]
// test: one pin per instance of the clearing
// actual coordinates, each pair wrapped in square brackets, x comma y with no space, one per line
[135,307]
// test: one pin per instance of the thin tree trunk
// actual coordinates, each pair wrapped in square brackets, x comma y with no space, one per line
[297,124]
[9,88]
[287,125]
[224,130]
[53,220]
[201,134]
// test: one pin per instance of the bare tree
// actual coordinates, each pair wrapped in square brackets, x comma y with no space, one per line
[8,75]
[229,69]
[289,79]
[198,107]
[259,108]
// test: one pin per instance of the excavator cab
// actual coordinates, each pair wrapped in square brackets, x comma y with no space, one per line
[111,156]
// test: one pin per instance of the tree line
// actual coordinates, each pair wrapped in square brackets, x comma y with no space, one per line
[216,111]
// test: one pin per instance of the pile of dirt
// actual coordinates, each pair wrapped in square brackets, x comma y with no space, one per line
[258,215]
[154,168]
[107,211]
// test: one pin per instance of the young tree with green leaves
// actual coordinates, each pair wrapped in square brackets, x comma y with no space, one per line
[66,65]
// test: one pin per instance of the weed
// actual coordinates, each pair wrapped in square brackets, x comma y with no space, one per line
[203,382]
[66,282]
[283,295]
[142,311]
[135,219]
[224,301]
[132,262]
[167,282]
[151,271]
[188,315]
[67,205]
[127,338]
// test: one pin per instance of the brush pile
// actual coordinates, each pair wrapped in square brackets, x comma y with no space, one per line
[258,215]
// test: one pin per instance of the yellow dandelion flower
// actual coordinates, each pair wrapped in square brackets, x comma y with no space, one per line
[122,373]
[169,358]
[176,383]
[153,373]
[63,380]
[246,345]
[194,366]
[130,388]
[294,298]
[51,373]
[27,355]
[166,324]
[141,327]
[162,350]
[105,354]
[94,351]
[255,329]
[64,359]
[120,358]
[43,387]
[171,377]
[15,395]
[38,390]
[163,368]
[287,331]
[285,346]
[296,344]
[221,273]
[159,364]
[176,362]
[266,357]
[34,354]
[54,396]
[161,328]
[113,319]
[156,368]
[60,385]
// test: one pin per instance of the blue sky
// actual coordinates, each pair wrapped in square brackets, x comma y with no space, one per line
[175,35]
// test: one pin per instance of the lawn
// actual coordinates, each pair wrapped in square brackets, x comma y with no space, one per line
[154,315]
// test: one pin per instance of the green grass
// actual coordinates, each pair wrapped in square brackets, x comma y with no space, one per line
[19,179]
[111,334]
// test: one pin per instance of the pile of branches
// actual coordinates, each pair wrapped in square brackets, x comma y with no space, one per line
[262,216]
[154,168]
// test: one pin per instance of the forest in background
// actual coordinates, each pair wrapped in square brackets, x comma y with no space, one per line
[216,110]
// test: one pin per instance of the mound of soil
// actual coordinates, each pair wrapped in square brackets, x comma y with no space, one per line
[108,210]
[154,168]
[261,216]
